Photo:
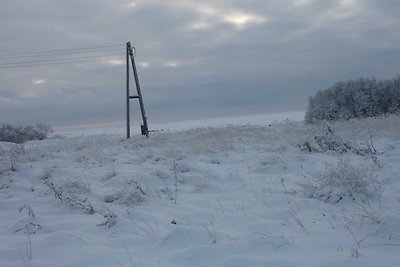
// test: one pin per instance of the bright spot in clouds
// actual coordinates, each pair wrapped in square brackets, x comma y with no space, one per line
[200,25]
[39,81]
[240,20]
[171,64]
[212,14]
[131,5]
[114,62]
[207,10]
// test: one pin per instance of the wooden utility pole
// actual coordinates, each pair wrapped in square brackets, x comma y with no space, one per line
[128,120]
[144,127]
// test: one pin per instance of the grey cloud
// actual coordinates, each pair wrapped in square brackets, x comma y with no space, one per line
[203,58]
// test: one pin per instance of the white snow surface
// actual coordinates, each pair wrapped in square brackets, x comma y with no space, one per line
[223,196]
[119,128]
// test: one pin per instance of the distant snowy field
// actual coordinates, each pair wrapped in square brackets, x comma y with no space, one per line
[120,127]
[241,194]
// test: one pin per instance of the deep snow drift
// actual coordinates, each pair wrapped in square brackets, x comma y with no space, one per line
[284,194]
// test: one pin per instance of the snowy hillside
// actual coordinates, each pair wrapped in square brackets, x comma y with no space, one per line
[283,194]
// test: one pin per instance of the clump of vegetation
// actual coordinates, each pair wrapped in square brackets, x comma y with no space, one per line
[343,179]
[20,134]
[360,98]
[328,140]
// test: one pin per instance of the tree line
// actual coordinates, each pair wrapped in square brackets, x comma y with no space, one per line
[355,99]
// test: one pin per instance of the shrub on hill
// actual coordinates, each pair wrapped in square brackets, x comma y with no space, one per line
[20,134]
[355,99]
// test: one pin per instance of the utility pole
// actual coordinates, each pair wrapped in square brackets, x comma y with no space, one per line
[128,120]
[144,127]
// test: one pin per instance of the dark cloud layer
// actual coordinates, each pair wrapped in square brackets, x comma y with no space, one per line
[195,58]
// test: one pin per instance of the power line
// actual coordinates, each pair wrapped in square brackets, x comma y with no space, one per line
[51,63]
[58,59]
[59,56]
[61,50]
[22,55]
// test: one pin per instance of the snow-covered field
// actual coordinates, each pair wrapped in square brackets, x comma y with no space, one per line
[119,128]
[279,194]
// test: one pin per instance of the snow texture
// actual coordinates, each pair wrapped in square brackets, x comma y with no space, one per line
[223,196]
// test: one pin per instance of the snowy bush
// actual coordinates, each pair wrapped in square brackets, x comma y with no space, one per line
[132,194]
[71,193]
[355,99]
[328,140]
[10,156]
[342,180]
[20,134]
[129,196]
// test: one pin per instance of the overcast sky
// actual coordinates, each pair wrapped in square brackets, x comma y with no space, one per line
[195,59]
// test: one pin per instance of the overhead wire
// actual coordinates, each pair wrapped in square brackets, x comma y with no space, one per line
[60,56]
[58,59]
[49,63]
[59,50]
[60,53]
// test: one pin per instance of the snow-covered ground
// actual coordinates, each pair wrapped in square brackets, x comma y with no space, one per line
[278,194]
[119,128]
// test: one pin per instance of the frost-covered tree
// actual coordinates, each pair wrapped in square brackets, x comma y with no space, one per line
[355,99]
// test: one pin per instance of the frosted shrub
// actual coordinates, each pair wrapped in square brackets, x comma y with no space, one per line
[19,134]
[71,193]
[328,140]
[128,196]
[342,180]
